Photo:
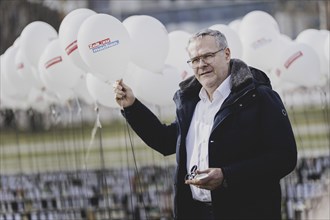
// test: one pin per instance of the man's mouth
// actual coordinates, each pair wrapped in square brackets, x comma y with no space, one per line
[205,73]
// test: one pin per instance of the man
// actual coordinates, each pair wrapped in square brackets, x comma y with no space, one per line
[231,126]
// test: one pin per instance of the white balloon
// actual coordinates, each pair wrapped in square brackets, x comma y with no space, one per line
[9,95]
[150,43]
[6,87]
[235,25]
[82,91]
[129,77]
[315,39]
[233,40]
[34,39]
[68,33]
[299,64]
[16,42]
[13,103]
[261,46]
[26,71]
[285,40]
[306,36]
[157,88]
[257,19]
[274,78]
[58,69]
[38,101]
[9,68]
[104,45]
[177,54]
[102,92]
[327,48]
[62,93]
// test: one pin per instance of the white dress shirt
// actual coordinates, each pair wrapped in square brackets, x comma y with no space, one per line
[199,132]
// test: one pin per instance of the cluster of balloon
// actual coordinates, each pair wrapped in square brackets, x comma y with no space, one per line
[16,89]
[20,62]
[301,62]
[289,63]
[93,50]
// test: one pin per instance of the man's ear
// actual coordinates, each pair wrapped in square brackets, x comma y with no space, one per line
[227,54]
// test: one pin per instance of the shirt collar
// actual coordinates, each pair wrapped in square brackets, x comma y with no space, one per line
[222,91]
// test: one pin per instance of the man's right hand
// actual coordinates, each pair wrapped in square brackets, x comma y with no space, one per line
[123,94]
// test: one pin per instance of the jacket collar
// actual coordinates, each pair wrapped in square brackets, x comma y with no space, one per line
[240,74]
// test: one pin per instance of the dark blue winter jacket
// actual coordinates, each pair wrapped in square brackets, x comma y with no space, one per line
[251,140]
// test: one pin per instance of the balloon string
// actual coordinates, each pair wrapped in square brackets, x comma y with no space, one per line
[78,106]
[134,157]
[93,133]
[135,163]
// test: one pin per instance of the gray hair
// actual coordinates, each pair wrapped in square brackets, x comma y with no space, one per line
[220,38]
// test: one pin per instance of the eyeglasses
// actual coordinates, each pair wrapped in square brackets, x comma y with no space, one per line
[207,58]
[192,174]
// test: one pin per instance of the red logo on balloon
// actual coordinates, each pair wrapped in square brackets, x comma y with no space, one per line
[20,66]
[71,47]
[102,44]
[99,43]
[292,59]
[53,61]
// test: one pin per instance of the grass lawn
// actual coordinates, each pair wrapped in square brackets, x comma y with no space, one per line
[67,147]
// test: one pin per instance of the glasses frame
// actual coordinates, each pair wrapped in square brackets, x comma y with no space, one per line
[202,57]
[192,174]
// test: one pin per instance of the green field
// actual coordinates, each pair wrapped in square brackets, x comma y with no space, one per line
[71,147]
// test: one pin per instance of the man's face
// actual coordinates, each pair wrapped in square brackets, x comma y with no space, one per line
[211,74]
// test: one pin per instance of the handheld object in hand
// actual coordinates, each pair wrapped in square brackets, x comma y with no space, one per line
[193,174]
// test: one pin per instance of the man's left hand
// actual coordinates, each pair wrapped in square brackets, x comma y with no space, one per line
[212,181]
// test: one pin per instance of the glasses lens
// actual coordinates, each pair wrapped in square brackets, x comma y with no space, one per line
[193,169]
[192,173]
[188,177]
[207,58]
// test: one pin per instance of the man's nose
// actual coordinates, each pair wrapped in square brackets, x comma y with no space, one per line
[201,60]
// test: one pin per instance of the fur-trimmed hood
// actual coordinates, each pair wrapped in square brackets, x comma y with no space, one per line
[241,75]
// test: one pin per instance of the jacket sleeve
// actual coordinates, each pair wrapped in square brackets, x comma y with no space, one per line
[159,136]
[276,135]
